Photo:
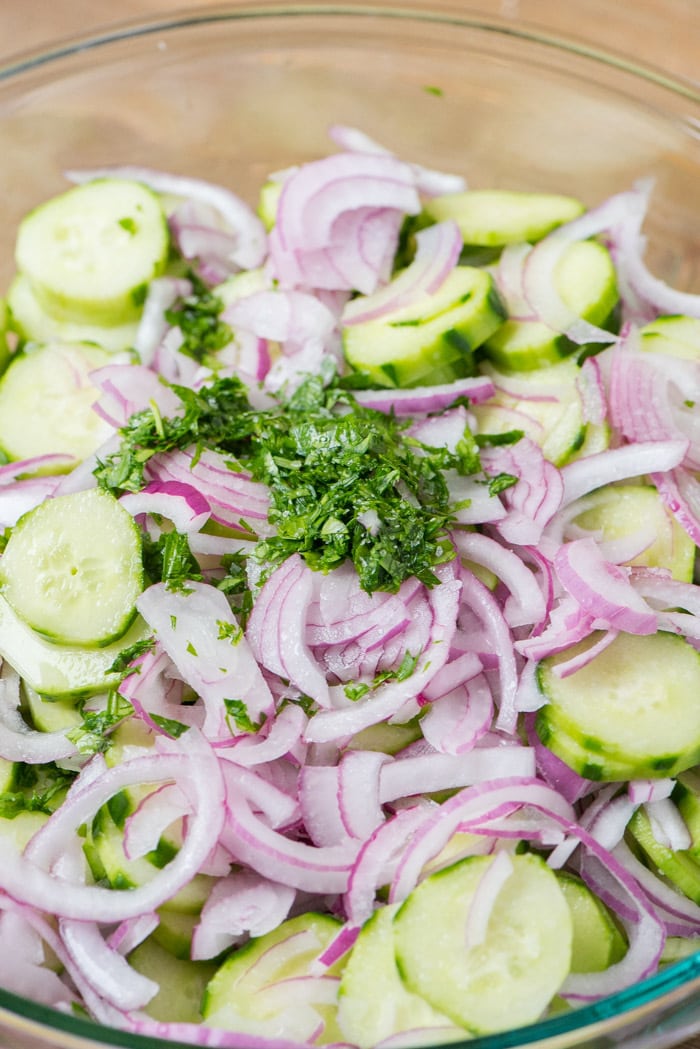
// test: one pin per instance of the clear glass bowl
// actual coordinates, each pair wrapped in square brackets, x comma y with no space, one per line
[234,93]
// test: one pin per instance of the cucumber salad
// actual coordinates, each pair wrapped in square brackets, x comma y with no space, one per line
[349,637]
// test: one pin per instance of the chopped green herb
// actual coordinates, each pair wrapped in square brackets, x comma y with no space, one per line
[495,439]
[229,631]
[431,89]
[198,316]
[126,658]
[38,789]
[356,690]
[237,712]
[500,482]
[169,725]
[169,559]
[92,736]
[327,462]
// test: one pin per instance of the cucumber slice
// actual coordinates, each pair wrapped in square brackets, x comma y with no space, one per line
[33,323]
[182,982]
[586,281]
[50,715]
[270,193]
[373,1003]
[107,860]
[59,671]
[46,400]
[510,978]
[72,569]
[679,867]
[16,833]
[678,948]
[5,323]
[676,336]
[597,940]
[495,217]
[616,511]
[431,341]
[174,932]
[630,713]
[241,995]
[549,412]
[386,738]
[686,795]
[90,253]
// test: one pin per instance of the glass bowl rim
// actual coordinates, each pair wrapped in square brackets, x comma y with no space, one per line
[673,984]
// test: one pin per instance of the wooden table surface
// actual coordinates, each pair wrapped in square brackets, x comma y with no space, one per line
[663,33]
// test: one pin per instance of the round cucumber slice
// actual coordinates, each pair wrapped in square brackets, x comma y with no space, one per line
[616,511]
[72,569]
[46,400]
[597,941]
[630,713]
[549,411]
[182,982]
[241,997]
[33,323]
[90,253]
[676,336]
[373,1003]
[495,217]
[586,281]
[432,340]
[507,980]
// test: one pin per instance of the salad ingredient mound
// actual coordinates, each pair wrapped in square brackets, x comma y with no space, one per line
[349,633]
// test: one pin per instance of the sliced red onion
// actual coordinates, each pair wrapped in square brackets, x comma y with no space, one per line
[377,860]
[592,392]
[283,736]
[487,892]
[195,767]
[570,666]
[52,462]
[431,183]
[509,280]
[249,231]
[388,698]
[19,742]
[554,771]
[320,806]
[22,496]
[293,317]
[668,825]
[163,293]
[21,961]
[338,219]
[282,859]
[437,252]
[534,499]
[182,504]
[359,792]
[276,628]
[423,399]
[680,491]
[105,969]
[129,934]
[235,500]
[275,797]
[618,464]
[145,826]
[436,772]
[199,632]
[526,604]
[539,271]
[603,590]
[129,388]
[455,723]
[242,903]
[478,597]
[474,806]
[644,790]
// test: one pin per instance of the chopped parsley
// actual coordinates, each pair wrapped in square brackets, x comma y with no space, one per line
[92,735]
[169,560]
[356,690]
[198,316]
[237,712]
[36,789]
[330,465]
[173,728]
